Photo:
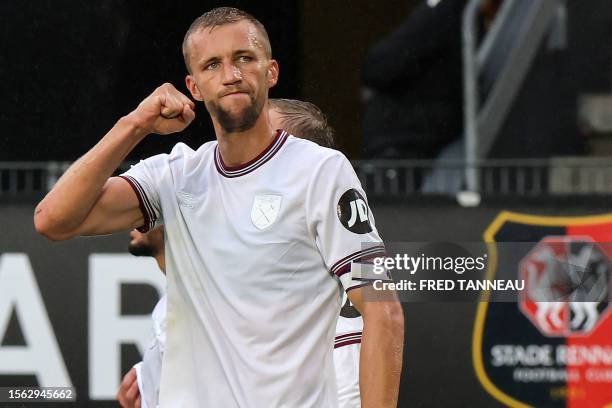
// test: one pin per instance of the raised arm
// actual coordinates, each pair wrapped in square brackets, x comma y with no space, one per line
[382,343]
[86,200]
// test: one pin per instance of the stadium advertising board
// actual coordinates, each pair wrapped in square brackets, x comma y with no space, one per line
[72,314]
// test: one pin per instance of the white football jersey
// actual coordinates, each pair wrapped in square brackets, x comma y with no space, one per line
[346,357]
[257,257]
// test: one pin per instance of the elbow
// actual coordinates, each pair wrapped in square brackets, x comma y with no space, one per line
[47,227]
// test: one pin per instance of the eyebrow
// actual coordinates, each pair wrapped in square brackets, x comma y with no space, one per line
[237,52]
[245,51]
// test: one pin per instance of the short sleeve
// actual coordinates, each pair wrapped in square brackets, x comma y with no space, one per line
[343,223]
[144,179]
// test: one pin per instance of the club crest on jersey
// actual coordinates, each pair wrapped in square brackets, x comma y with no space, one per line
[265,210]
[354,213]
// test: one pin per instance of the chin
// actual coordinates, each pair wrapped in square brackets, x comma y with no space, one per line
[237,114]
[237,106]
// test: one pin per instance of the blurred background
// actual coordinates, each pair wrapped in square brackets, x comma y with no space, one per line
[452,112]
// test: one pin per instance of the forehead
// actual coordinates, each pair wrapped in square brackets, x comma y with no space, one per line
[224,40]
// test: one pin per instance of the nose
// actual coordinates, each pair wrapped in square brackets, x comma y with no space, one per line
[231,74]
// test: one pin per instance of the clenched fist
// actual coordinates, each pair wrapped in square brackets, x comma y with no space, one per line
[165,111]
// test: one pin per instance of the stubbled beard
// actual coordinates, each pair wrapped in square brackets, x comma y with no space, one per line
[231,123]
[141,249]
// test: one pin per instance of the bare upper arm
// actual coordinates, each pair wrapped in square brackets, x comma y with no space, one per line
[117,209]
[376,305]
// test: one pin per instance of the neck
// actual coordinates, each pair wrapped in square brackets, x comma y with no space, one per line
[237,148]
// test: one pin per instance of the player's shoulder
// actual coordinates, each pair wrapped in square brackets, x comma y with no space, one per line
[179,160]
[312,155]
[179,152]
[183,152]
[320,165]
[182,157]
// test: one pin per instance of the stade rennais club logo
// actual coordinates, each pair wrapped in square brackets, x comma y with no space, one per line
[553,346]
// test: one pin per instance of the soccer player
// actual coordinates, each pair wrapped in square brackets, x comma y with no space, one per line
[305,120]
[262,230]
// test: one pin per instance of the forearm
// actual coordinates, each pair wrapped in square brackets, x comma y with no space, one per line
[381,357]
[69,202]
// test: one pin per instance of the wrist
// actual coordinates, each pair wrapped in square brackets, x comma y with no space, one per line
[134,126]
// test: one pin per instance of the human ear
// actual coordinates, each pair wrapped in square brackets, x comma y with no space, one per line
[272,73]
[193,88]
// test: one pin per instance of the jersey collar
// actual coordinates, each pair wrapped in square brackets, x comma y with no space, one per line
[267,154]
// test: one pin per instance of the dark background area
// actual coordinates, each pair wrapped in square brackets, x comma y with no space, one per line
[543,121]
[70,69]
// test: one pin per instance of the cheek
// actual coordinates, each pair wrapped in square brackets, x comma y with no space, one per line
[205,86]
[257,77]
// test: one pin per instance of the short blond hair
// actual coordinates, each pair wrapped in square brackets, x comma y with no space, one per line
[221,16]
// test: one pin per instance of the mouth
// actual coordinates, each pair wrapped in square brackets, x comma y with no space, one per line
[234,93]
